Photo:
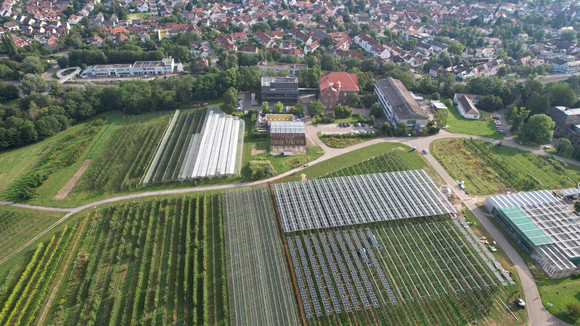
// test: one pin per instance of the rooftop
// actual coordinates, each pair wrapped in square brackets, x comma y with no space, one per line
[404,105]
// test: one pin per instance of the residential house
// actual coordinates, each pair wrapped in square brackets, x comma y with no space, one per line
[371,46]
[466,106]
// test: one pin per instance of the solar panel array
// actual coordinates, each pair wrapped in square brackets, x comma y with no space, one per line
[358,199]
[370,267]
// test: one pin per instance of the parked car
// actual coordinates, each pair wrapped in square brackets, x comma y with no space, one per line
[362,124]
[495,116]
[425,151]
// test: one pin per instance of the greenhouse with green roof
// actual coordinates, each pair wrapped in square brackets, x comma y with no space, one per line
[543,226]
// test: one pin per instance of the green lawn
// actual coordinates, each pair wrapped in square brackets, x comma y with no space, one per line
[412,159]
[559,293]
[491,168]
[484,127]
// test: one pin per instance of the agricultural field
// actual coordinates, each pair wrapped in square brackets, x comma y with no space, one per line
[385,253]
[359,199]
[259,284]
[487,168]
[120,156]
[23,293]
[422,271]
[51,165]
[406,158]
[159,261]
[387,162]
[484,126]
[198,144]
[18,225]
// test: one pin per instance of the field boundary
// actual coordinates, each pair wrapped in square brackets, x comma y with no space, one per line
[63,192]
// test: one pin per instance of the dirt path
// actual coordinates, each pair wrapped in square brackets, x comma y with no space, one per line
[71,183]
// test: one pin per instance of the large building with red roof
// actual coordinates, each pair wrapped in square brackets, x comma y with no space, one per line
[336,87]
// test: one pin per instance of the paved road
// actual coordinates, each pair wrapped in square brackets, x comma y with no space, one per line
[538,315]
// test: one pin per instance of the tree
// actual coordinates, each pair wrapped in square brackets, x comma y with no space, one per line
[315,108]
[490,103]
[342,111]
[563,145]
[368,100]
[354,100]
[401,130]
[538,129]
[577,206]
[231,96]
[32,65]
[8,45]
[265,107]
[32,83]
[8,92]
[441,118]
[518,116]
[455,48]
[278,107]
[376,110]
[502,71]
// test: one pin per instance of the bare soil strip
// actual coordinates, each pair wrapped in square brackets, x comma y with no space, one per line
[71,183]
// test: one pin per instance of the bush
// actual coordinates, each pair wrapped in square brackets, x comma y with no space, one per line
[261,169]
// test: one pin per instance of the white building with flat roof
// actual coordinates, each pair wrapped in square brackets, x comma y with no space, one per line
[139,68]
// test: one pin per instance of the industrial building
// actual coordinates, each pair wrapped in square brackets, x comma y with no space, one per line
[287,137]
[280,89]
[398,105]
[543,226]
[139,68]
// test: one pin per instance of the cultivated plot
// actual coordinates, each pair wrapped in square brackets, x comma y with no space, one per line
[370,270]
[198,144]
[259,282]
[150,262]
[358,199]
[18,225]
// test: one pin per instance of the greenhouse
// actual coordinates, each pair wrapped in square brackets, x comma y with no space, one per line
[543,226]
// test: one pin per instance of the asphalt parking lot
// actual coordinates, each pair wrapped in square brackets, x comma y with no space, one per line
[333,128]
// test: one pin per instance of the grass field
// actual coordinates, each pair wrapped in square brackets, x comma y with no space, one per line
[484,127]
[159,261]
[56,158]
[487,168]
[559,293]
[412,161]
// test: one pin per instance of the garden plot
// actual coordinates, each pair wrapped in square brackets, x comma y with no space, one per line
[341,201]
[258,279]
[198,144]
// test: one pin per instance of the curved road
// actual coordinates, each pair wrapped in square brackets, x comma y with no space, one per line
[537,314]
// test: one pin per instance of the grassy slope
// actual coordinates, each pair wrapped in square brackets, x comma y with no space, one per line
[16,163]
[412,159]
[484,127]
[482,180]
[559,293]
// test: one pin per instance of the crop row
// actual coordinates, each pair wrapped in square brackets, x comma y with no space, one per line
[417,271]
[259,283]
[27,295]
[171,159]
[123,159]
[18,226]
[386,162]
[157,262]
